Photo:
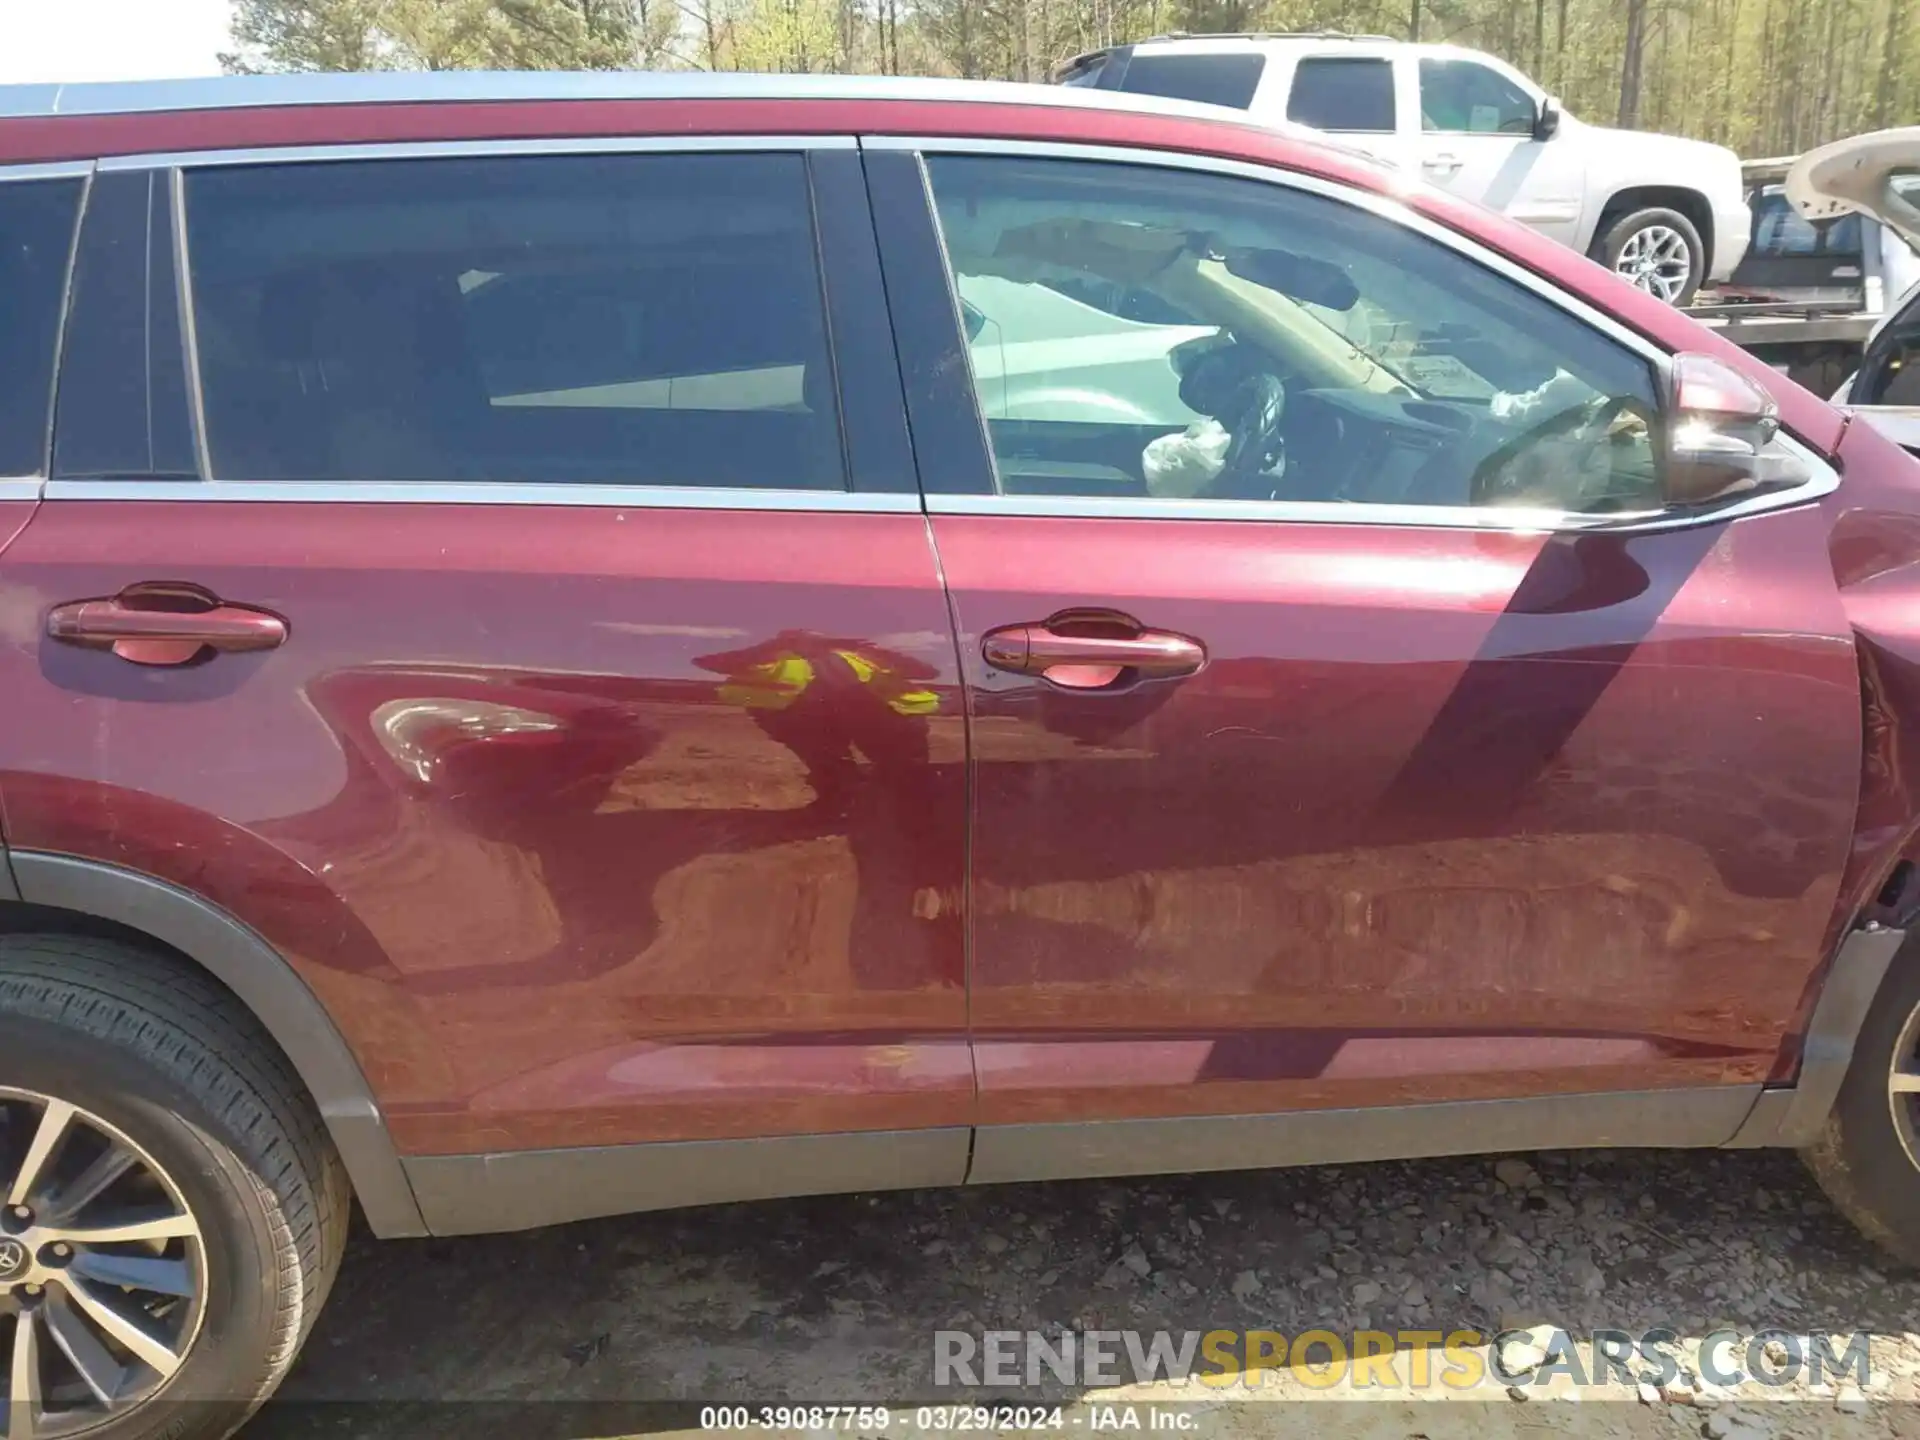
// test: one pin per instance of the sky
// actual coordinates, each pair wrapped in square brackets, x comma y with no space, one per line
[54,40]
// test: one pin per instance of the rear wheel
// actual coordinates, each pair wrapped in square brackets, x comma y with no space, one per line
[1656,250]
[171,1214]
[1868,1157]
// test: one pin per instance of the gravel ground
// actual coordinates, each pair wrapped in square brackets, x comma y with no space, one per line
[590,1330]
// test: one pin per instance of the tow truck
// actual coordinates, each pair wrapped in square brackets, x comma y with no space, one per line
[1807,295]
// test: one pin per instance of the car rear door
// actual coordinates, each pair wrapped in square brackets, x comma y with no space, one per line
[497,577]
[1327,783]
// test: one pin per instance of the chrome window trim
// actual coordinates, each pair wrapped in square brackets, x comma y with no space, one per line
[229,92]
[1825,478]
[1409,517]
[506,492]
[470,149]
[47,170]
[484,492]
[21,487]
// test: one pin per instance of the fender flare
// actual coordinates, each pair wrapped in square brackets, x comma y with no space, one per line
[1794,1115]
[269,987]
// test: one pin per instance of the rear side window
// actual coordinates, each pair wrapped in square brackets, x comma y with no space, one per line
[36,241]
[1343,93]
[619,319]
[1210,79]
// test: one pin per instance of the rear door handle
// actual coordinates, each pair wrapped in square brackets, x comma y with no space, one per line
[1090,662]
[1445,164]
[150,625]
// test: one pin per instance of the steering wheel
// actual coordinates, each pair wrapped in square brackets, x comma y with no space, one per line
[1235,387]
[1500,478]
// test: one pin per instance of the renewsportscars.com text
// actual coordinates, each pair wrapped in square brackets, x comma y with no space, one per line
[1394,1359]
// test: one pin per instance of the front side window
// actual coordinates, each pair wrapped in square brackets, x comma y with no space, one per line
[1161,333]
[620,319]
[1343,94]
[1465,98]
[36,240]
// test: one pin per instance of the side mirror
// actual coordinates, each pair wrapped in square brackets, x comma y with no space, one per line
[1547,123]
[1722,435]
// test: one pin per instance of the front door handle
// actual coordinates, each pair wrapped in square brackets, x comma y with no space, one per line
[164,625]
[1090,661]
[1442,164]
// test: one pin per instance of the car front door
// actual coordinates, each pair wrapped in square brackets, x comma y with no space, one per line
[1310,774]
[1476,138]
[560,675]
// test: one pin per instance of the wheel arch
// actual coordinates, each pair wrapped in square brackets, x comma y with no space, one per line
[84,896]
[1691,203]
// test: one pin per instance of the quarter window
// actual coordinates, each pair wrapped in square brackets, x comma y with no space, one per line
[627,319]
[1165,334]
[36,240]
[1218,79]
[1343,94]
[1461,97]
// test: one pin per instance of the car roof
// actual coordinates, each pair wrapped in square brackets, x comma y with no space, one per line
[234,92]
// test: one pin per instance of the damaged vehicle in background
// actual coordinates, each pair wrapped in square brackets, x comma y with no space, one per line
[1878,176]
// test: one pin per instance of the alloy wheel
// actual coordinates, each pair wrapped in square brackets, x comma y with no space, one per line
[1658,260]
[1903,1086]
[102,1271]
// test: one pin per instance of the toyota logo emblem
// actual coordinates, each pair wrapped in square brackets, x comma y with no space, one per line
[13,1259]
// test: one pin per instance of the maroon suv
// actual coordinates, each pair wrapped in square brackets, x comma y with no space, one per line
[581,645]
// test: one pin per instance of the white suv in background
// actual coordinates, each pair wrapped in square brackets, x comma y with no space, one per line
[1666,213]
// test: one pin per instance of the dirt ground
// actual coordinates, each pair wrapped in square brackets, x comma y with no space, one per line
[631,1326]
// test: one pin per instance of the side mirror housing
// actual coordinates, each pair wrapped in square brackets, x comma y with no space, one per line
[1547,123]
[1722,435]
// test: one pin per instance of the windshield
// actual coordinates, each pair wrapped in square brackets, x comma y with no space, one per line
[1427,342]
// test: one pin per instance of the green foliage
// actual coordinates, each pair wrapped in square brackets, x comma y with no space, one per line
[450,34]
[1764,76]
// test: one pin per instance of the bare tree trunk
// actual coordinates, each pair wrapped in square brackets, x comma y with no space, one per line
[1629,115]
[1889,83]
[1539,37]
[1560,48]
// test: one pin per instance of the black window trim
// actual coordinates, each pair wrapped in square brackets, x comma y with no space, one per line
[30,486]
[166,446]
[927,348]
[878,460]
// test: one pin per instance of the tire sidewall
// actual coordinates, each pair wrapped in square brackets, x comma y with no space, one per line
[224,1368]
[1621,230]
[1862,1136]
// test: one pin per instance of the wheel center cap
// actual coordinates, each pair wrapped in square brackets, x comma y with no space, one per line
[14,1260]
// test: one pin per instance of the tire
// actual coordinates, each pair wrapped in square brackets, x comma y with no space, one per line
[1662,231]
[162,1063]
[1865,1158]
